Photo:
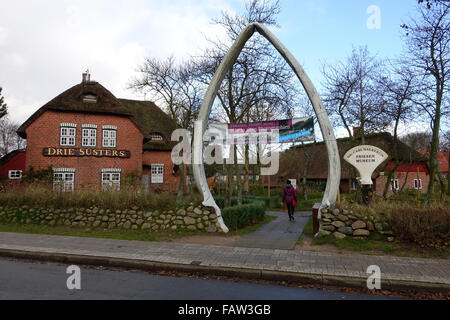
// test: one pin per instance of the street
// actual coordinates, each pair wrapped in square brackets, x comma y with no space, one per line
[28,280]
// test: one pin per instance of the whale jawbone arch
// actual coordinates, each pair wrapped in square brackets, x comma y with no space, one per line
[334,164]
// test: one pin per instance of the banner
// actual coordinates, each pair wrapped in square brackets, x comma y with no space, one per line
[276,131]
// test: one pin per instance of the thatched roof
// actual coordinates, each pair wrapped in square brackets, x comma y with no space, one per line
[148,117]
[292,161]
[151,119]
[71,100]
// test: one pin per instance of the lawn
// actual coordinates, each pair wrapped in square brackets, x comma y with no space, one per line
[374,244]
[136,235]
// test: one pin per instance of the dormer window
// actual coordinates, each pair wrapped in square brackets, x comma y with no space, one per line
[90,98]
[156,137]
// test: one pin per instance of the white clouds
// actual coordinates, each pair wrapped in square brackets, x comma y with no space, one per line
[3,36]
[46,44]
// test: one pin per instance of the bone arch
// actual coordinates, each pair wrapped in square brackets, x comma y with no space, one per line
[334,165]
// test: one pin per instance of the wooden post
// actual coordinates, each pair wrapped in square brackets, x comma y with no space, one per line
[339,197]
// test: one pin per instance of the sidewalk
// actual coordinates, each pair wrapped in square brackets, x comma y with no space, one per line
[269,264]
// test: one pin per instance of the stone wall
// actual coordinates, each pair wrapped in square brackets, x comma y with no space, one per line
[191,218]
[346,223]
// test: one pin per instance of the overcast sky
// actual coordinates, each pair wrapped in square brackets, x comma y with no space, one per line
[45,45]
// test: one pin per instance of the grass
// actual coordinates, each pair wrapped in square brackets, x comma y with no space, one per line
[135,235]
[374,242]
[308,229]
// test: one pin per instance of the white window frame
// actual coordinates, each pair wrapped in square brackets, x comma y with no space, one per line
[157,173]
[353,185]
[156,137]
[68,135]
[418,184]
[15,174]
[395,185]
[111,179]
[63,180]
[109,138]
[89,137]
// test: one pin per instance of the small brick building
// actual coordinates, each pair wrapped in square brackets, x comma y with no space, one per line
[412,172]
[91,139]
[12,165]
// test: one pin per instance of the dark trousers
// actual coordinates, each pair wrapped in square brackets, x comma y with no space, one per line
[290,209]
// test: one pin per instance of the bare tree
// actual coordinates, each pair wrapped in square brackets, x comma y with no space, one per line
[352,93]
[428,51]
[260,78]
[418,140]
[399,89]
[9,139]
[3,106]
[176,88]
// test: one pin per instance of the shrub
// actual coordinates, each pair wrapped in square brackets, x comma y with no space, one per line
[238,217]
[43,196]
[428,227]
[272,202]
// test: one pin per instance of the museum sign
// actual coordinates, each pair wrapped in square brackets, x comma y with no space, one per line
[85,152]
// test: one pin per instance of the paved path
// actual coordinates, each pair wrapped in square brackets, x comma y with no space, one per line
[318,267]
[278,234]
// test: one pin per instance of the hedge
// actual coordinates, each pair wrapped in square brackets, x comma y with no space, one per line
[272,202]
[238,217]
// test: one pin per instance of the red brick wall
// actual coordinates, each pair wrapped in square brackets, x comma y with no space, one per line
[160,157]
[17,162]
[401,176]
[45,132]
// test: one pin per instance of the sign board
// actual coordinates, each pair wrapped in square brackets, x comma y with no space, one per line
[365,159]
[85,152]
[277,131]
[294,183]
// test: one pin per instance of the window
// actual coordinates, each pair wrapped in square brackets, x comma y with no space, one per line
[67,136]
[157,173]
[418,184]
[15,174]
[353,185]
[89,137]
[394,184]
[109,136]
[156,137]
[63,180]
[111,179]
[90,98]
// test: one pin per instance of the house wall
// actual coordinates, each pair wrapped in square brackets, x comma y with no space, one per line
[171,181]
[17,162]
[402,176]
[45,132]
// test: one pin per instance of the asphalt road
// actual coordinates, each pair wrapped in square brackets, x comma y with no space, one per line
[29,280]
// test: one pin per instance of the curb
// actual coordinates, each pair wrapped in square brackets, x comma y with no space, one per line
[254,274]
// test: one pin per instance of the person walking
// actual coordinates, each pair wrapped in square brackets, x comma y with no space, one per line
[290,198]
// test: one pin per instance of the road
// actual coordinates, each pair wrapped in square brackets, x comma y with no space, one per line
[29,280]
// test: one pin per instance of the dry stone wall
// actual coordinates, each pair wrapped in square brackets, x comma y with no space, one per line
[190,218]
[342,223]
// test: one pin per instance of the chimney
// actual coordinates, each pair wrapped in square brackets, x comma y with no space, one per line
[86,77]
[356,132]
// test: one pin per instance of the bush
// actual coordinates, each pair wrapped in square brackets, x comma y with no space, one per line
[428,227]
[238,217]
[272,202]
[40,195]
